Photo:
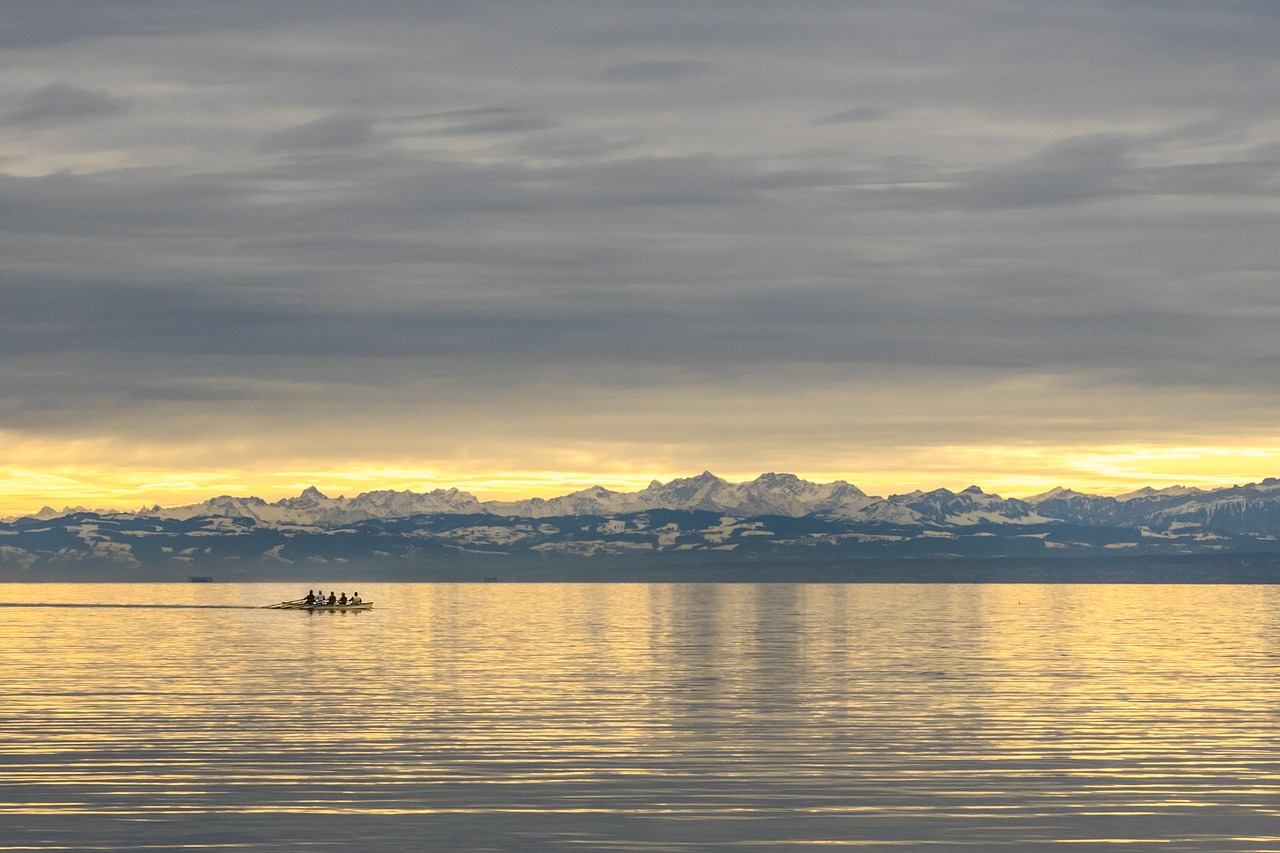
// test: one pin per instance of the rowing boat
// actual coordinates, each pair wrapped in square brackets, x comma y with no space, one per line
[302,605]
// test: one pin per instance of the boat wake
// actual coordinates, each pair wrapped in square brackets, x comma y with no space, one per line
[120,606]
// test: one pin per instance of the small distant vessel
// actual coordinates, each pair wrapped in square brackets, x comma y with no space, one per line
[200,579]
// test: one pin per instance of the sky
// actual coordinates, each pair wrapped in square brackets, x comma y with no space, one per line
[522,248]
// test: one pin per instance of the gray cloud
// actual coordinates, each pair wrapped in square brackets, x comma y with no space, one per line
[58,103]
[565,197]
[651,70]
[488,120]
[1066,172]
[854,115]
[339,131]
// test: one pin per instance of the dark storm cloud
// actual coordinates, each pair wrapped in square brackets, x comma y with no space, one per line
[196,191]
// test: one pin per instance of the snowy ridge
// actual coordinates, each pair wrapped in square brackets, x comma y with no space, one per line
[1253,508]
[774,518]
[768,494]
[314,507]
[945,508]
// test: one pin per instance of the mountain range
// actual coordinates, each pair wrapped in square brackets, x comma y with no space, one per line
[779,519]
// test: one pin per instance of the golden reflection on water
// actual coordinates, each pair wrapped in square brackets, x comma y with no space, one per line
[642,716]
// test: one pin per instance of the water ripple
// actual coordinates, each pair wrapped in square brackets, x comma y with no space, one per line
[641,717]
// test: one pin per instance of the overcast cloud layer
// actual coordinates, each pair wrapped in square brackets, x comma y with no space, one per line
[599,237]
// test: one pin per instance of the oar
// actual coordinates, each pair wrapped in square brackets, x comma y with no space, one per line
[282,605]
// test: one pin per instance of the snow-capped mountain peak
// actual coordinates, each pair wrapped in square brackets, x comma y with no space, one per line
[1057,493]
[1167,492]
[769,494]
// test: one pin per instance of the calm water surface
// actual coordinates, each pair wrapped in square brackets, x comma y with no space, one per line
[641,717]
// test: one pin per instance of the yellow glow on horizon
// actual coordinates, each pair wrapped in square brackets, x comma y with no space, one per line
[98,474]
[1023,471]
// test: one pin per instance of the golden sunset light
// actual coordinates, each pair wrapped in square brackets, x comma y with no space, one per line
[565,426]
[89,474]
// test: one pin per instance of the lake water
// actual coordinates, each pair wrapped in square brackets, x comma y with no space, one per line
[623,717]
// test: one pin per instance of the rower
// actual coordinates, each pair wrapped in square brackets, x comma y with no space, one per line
[333,598]
[311,597]
[342,600]
[354,599]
